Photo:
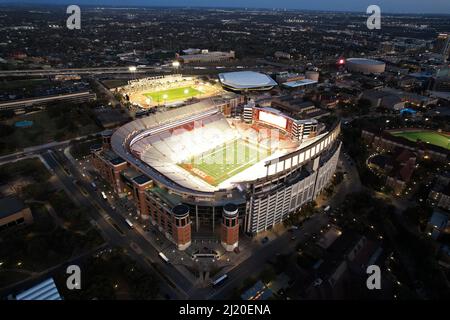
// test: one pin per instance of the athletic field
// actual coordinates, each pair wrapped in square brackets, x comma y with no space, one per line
[172,94]
[436,138]
[225,161]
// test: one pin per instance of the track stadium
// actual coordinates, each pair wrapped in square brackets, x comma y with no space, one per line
[218,169]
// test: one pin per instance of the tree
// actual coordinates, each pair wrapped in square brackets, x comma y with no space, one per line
[364,106]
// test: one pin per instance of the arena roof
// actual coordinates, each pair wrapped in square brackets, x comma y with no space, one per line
[246,80]
[299,83]
[365,61]
[45,290]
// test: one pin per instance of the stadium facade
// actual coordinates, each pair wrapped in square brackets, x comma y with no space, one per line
[286,163]
[365,66]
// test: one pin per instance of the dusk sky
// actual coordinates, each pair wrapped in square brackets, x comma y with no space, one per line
[394,6]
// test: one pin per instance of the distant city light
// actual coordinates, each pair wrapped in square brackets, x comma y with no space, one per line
[132,69]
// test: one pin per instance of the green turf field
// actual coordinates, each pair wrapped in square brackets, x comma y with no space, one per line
[225,161]
[436,138]
[172,94]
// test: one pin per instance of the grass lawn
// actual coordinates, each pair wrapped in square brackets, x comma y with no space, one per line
[172,94]
[436,138]
[225,161]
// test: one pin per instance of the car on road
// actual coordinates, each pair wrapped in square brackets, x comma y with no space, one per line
[317,282]
[265,240]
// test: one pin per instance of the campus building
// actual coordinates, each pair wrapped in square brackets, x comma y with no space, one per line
[14,212]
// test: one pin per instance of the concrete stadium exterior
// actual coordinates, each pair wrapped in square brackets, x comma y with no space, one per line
[182,212]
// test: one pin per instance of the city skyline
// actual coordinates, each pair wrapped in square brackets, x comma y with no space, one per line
[396,7]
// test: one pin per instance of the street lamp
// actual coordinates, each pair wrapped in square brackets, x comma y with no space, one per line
[133,69]
[176,64]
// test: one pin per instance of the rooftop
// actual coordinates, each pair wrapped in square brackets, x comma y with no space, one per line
[9,206]
[45,290]
[299,83]
[246,79]
[365,61]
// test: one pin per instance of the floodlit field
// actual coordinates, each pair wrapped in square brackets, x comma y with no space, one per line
[436,138]
[225,161]
[172,94]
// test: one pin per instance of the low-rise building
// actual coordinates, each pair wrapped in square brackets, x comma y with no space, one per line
[206,56]
[440,192]
[14,212]
[282,55]
[438,224]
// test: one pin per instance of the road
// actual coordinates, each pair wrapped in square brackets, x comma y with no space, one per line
[34,150]
[173,283]
[109,221]
[257,261]
[283,244]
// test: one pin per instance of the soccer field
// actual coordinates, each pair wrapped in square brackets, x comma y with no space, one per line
[172,94]
[436,138]
[225,161]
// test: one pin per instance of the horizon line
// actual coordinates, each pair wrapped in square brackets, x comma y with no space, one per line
[23,4]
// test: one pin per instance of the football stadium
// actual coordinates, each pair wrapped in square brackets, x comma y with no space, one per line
[169,90]
[206,170]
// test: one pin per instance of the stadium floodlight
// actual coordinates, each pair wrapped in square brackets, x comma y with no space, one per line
[186,91]
[132,69]
[176,64]
[165,96]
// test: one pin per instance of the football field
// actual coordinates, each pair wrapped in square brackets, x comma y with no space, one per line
[225,161]
[436,138]
[170,95]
